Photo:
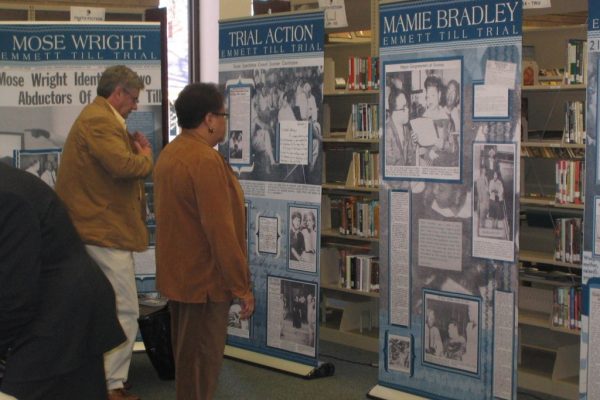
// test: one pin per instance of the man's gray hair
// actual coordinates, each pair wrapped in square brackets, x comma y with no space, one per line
[118,75]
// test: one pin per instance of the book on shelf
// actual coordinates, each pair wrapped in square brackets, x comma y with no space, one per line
[537,151]
[551,76]
[567,240]
[570,181]
[363,73]
[530,73]
[364,169]
[574,130]
[359,271]
[566,307]
[576,68]
[364,121]
[351,215]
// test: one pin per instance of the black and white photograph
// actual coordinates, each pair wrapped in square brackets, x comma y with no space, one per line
[42,163]
[451,326]
[235,146]
[9,142]
[493,200]
[399,353]
[237,143]
[423,120]
[277,95]
[292,315]
[303,235]
[237,326]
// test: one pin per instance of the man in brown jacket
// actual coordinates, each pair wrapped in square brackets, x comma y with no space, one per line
[100,180]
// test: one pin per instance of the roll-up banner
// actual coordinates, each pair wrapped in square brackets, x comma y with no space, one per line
[271,70]
[451,92]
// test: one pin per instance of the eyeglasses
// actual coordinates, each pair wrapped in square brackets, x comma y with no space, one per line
[135,99]
[222,114]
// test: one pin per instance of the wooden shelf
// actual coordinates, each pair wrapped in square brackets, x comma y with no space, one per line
[351,93]
[330,233]
[547,282]
[534,318]
[549,202]
[552,27]
[345,140]
[340,186]
[355,42]
[552,88]
[351,291]
[557,144]
[542,320]
[541,381]
[544,258]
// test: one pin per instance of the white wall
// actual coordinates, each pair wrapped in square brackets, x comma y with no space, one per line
[210,13]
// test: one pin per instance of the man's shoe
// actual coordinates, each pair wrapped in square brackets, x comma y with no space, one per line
[121,394]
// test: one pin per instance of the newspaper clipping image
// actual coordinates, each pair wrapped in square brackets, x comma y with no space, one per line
[292,315]
[451,331]
[303,243]
[235,325]
[42,163]
[399,353]
[423,136]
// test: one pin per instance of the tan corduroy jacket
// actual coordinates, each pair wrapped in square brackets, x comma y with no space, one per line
[100,180]
[200,225]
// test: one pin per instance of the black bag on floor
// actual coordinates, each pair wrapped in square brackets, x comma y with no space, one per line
[156,334]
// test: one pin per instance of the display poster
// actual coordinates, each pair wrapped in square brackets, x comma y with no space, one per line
[271,70]
[50,71]
[590,310]
[451,91]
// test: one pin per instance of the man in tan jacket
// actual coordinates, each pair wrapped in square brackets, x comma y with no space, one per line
[100,180]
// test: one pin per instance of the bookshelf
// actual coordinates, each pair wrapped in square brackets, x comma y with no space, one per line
[350,175]
[548,352]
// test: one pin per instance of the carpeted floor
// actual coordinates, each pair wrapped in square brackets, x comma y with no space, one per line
[355,374]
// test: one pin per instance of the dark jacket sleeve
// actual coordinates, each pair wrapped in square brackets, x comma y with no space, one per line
[20,267]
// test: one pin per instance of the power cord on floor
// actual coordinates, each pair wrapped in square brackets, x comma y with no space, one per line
[366,364]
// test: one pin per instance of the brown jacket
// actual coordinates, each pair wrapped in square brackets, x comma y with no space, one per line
[200,225]
[100,180]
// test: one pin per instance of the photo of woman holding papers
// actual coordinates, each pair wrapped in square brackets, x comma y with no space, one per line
[424,101]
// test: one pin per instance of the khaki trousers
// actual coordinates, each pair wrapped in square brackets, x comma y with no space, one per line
[118,267]
[198,333]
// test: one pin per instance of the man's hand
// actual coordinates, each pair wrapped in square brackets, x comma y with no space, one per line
[247,303]
[138,137]
[141,143]
[144,151]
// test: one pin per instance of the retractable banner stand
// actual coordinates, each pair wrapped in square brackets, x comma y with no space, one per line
[50,71]
[451,90]
[589,383]
[271,69]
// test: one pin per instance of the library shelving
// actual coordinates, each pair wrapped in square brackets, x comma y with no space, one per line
[349,309]
[549,351]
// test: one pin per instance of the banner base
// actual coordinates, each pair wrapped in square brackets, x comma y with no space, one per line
[386,393]
[291,367]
